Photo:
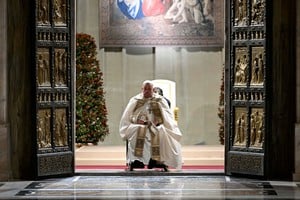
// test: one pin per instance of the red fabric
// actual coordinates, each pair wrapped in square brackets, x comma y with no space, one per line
[194,167]
[155,7]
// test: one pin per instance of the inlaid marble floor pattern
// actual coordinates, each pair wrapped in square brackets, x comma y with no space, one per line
[149,187]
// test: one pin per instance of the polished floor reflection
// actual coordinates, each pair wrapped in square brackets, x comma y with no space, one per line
[144,186]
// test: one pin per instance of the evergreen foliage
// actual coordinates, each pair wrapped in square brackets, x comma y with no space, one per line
[221,111]
[91,112]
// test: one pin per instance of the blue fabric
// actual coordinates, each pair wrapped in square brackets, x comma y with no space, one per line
[131,11]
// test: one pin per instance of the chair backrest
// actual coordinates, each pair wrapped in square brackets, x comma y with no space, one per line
[169,90]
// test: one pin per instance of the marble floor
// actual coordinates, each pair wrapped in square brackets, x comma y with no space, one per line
[149,186]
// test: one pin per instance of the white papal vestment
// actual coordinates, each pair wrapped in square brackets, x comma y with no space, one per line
[164,137]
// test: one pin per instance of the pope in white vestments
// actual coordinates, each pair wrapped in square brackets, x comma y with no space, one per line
[151,131]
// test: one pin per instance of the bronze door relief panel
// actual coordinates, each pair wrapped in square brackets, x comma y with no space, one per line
[54,87]
[246,87]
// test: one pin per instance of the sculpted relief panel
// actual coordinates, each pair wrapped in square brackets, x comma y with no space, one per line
[240,13]
[257,74]
[249,135]
[256,127]
[44,128]
[241,66]
[43,12]
[240,136]
[43,67]
[54,59]
[60,67]
[257,12]
[247,87]
[60,12]
[61,127]
[52,65]
[248,74]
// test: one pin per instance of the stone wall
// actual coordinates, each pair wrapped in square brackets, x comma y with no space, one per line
[298,60]
[4,133]
[20,79]
[297,125]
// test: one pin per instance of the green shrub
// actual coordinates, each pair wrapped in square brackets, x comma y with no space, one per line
[91,112]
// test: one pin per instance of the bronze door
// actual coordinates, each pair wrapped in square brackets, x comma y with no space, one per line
[54,60]
[246,86]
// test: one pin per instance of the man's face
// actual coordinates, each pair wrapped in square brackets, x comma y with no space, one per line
[148,90]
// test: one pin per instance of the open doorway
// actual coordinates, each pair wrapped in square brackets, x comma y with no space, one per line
[197,73]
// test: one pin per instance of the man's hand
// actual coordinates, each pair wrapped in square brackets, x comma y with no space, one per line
[156,123]
[142,122]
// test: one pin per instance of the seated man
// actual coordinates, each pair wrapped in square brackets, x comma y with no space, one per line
[152,134]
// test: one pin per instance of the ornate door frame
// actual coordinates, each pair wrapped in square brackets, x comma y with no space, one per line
[260,86]
[246,83]
[54,86]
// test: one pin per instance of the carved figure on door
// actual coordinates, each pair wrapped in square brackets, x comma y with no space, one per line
[59,13]
[60,67]
[43,70]
[241,70]
[241,13]
[60,129]
[43,12]
[44,134]
[240,131]
[256,129]
[258,11]
[257,70]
